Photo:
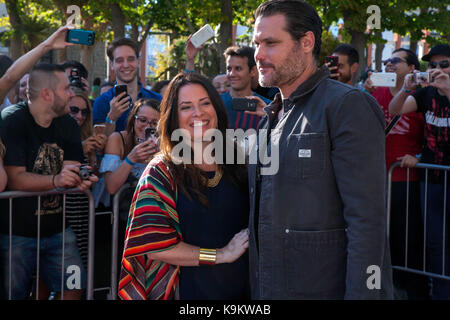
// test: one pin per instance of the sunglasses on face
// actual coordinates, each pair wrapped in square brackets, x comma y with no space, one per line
[443,64]
[144,121]
[75,110]
[394,60]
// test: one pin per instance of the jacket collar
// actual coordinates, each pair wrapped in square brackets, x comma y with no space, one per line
[305,88]
[310,84]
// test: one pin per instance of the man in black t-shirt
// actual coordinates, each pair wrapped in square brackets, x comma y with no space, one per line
[433,102]
[43,150]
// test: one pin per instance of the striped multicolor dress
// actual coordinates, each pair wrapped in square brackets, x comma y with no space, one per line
[153,226]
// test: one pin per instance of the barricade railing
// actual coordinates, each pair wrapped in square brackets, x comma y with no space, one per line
[426,167]
[91,235]
[115,239]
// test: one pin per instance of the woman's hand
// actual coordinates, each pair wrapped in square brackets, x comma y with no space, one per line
[94,144]
[234,249]
[143,151]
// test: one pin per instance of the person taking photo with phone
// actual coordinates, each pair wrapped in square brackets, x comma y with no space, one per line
[113,109]
[404,140]
[433,102]
[347,64]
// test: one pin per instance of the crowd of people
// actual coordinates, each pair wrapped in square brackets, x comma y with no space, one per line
[216,228]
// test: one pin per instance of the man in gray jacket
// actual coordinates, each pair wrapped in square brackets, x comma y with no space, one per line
[318,225]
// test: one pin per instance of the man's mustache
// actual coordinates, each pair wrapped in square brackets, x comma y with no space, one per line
[265,65]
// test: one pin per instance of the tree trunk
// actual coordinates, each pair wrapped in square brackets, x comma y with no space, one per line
[413,45]
[118,21]
[378,53]
[226,31]
[359,43]
[15,48]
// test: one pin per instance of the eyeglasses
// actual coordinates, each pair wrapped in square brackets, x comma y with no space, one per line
[394,60]
[443,64]
[75,110]
[143,120]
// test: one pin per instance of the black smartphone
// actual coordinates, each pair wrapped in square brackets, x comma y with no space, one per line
[243,104]
[333,59]
[80,36]
[119,88]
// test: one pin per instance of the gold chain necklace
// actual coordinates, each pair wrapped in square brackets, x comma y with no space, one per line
[214,181]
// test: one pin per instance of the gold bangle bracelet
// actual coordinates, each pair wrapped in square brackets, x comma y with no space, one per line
[207,256]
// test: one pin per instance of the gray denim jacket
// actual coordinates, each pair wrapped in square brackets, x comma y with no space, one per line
[318,225]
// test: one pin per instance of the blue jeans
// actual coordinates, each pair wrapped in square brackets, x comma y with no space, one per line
[24,262]
[434,237]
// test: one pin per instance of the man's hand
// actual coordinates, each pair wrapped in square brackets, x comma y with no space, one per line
[86,86]
[333,71]
[259,107]
[58,39]
[69,178]
[410,83]
[440,80]
[368,85]
[118,105]
[408,161]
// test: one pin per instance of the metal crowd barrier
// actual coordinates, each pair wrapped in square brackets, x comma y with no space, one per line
[113,285]
[91,235]
[389,198]
[115,240]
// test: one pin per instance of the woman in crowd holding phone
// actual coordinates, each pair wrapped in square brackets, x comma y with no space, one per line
[93,142]
[187,228]
[128,152]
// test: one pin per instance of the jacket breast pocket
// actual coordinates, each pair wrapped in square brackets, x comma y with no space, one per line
[316,263]
[308,154]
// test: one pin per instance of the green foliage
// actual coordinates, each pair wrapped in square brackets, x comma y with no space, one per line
[173,60]
[329,43]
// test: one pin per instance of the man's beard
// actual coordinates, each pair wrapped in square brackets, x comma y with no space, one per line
[59,106]
[345,78]
[286,72]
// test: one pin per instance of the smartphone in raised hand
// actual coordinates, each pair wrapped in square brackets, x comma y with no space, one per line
[119,88]
[202,35]
[80,36]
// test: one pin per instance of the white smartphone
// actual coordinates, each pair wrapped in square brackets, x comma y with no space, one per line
[202,35]
[384,79]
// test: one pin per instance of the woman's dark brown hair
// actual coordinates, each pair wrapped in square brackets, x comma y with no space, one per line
[189,178]
[130,141]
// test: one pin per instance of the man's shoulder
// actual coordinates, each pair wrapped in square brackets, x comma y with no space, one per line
[149,94]
[226,98]
[14,111]
[104,97]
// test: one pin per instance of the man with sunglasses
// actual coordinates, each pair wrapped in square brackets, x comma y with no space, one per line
[403,141]
[432,100]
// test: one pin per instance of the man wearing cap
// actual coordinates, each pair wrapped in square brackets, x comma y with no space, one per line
[432,100]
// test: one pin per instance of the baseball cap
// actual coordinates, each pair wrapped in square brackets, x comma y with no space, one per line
[443,49]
